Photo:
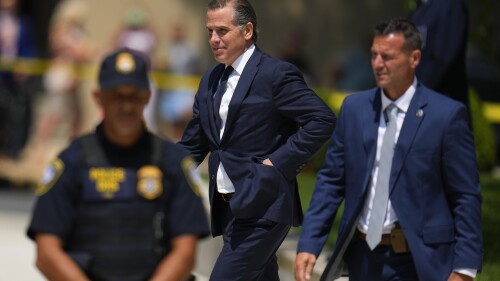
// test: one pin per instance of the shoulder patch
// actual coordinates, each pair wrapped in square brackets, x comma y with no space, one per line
[50,176]
[192,175]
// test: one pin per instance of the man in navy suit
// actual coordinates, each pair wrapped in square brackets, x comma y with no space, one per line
[443,25]
[431,222]
[261,123]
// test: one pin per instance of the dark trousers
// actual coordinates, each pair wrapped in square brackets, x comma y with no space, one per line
[249,251]
[381,264]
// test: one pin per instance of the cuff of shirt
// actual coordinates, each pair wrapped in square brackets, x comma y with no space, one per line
[466,271]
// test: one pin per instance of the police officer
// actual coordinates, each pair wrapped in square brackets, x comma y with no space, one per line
[120,203]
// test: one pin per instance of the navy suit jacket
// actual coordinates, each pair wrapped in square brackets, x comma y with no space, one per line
[444,25]
[272,114]
[434,184]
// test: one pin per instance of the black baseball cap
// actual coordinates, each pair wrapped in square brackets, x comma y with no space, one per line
[124,67]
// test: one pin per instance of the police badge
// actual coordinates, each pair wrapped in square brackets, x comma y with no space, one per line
[125,63]
[149,182]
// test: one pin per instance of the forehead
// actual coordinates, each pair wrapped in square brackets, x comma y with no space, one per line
[124,90]
[390,42]
[220,17]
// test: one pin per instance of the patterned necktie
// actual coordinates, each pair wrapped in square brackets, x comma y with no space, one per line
[381,198]
[219,93]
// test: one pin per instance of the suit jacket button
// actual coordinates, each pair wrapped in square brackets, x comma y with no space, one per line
[213,177]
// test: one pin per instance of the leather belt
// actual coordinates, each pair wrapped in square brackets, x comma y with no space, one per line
[227,196]
[396,239]
[385,241]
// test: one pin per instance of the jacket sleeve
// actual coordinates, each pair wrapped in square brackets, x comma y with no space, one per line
[461,178]
[316,121]
[327,196]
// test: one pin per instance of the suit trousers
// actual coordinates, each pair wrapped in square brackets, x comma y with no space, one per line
[381,264]
[249,250]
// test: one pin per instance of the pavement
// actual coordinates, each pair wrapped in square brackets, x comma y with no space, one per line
[17,252]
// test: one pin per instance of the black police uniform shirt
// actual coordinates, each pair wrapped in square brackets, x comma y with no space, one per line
[61,193]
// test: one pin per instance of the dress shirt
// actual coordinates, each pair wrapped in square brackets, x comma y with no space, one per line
[402,103]
[224,183]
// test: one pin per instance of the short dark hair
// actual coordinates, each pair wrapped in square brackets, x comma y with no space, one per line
[243,13]
[413,41]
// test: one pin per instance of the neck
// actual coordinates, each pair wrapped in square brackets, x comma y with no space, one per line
[396,92]
[393,94]
[123,139]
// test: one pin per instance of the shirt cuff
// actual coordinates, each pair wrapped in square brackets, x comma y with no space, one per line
[466,271]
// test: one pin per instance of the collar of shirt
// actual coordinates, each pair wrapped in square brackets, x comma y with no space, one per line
[241,61]
[403,102]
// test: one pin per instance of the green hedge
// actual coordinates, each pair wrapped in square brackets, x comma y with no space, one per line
[484,135]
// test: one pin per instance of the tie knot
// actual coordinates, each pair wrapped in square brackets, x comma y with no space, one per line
[225,74]
[390,112]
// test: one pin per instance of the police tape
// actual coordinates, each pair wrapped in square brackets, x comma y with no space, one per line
[88,72]
[168,81]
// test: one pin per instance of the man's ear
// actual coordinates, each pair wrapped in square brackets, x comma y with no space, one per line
[96,94]
[415,58]
[249,31]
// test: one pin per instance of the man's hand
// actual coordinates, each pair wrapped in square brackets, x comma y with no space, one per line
[304,264]
[455,276]
[267,162]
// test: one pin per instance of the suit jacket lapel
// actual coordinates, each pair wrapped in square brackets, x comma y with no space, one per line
[209,120]
[371,122]
[242,89]
[413,119]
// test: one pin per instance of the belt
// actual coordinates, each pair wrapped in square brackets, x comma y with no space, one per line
[385,241]
[226,196]
[396,239]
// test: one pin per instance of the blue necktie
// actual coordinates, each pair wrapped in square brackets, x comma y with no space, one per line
[381,198]
[219,93]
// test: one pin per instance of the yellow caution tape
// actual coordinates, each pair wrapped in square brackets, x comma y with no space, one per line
[168,81]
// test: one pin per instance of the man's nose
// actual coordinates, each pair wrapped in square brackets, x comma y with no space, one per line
[214,37]
[377,62]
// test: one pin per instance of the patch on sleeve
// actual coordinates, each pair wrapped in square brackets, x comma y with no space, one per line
[192,175]
[50,176]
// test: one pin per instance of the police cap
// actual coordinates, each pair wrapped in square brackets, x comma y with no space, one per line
[124,67]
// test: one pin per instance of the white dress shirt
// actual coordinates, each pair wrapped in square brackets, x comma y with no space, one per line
[224,183]
[402,103]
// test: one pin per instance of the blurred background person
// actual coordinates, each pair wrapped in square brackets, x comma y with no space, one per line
[17,86]
[61,112]
[174,113]
[183,57]
[292,51]
[444,26]
[173,106]
[137,32]
[350,70]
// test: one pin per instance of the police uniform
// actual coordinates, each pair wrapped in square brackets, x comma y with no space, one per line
[117,208]
[117,211]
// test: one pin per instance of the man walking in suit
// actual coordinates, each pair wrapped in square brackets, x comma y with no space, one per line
[402,158]
[261,123]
